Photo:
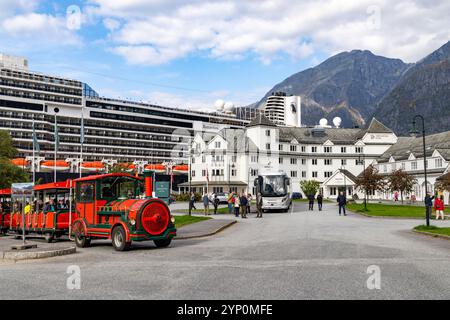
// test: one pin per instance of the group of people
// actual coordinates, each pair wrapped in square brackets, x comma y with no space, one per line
[439,206]
[239,204]
[49,206]
[341,200]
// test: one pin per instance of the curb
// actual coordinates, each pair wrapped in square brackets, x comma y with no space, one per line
[16,256]
[207,234]
[432,235]
[385,217]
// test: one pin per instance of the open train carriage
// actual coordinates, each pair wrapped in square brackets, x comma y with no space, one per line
[5,210]
[49,214]
[118,207]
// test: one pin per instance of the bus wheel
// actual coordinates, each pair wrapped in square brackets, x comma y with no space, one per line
[119,237]
[162,243]
[49,237]
[81,240]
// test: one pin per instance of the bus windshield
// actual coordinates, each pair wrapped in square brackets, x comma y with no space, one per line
[274,186]
[119,188]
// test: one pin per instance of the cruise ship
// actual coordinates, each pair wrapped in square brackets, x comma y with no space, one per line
[114,130]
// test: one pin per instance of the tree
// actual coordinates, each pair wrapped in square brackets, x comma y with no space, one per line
[310,187]
[370,181]
[401,181]
[7,150]
[443,183]
[119,168]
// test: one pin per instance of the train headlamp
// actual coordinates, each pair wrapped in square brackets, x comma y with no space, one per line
[172,219]
[132,222]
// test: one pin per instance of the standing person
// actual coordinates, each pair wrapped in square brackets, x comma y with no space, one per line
[429,203]
[320,201]
[243,203]
[215,203]
[237,204]
[192,202]
[342,201]
[205,200]
[230,202]
[439,207]
[249,203]
[259,203]
[396,196]
[311,199]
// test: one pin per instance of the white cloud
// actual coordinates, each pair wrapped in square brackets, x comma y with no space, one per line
[38,28]
[165,30]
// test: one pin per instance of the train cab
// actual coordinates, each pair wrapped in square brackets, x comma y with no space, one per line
[5,210]
[120,207]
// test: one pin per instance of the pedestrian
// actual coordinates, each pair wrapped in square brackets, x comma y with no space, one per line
[230,202]
[342,201]
[192,202]
[249,203]
[243,203]
[259,204]
[396,196]
[311,202]
[206,204]
[237,203]
[215,203]
[320,201]
[429,204]
[439,207]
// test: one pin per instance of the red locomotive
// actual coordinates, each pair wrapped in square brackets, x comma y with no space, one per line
[110,207]
[5,210]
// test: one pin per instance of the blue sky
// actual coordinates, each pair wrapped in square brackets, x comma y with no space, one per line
[188,53]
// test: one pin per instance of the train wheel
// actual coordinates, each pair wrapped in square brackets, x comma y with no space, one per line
[162,243]
[49,237]
[81,240]
[119,239]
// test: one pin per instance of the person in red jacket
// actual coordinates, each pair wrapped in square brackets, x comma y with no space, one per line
[439,207]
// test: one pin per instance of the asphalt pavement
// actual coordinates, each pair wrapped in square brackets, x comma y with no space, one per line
[298,255]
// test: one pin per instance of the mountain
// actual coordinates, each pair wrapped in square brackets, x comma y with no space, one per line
[349,85]
[425,90]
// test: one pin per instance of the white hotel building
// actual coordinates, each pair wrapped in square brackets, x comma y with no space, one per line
[232,159]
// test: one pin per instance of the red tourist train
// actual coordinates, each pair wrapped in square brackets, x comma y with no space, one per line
[5,210]
[109,206]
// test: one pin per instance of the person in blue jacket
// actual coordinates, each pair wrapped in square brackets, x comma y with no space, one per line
[342,202]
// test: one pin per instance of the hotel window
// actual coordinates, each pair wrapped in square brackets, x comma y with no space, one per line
[293,161]
[403,166]
[233,158]
[328,149]
[293,174]
[254,159]
[359,149]
[293,148]
[414,165]
[280,147]
[438,163]
[267,146]
[333,191]
[193,173]
[328,174]
[328,162]
[303,149]
[267,133]
[204,159]
[193,160]
[203,173]
[234,172]
[304,174]
[315,174]
[254,173]
[314,149]
[359,162]
[280,160]
[314,162]
[218,144]
[344,162]
[384,168]
[304,162]
[343,149]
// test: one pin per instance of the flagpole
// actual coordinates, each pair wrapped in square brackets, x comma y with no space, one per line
[33,162]
[56,137]
[81,142]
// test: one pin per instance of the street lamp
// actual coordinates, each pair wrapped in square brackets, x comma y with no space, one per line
[415,133]
[362,158]
[229,175]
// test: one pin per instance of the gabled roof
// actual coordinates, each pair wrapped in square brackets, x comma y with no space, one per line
[261,120]
[376,126]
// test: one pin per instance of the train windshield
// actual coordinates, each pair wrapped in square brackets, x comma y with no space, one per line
[113,188]
[274,186]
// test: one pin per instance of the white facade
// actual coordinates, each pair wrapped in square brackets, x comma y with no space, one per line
[283,110]
[295,151]
[13,62]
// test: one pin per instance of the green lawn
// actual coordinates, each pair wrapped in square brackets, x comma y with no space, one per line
[384,210]
[181,221]
[434,230]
